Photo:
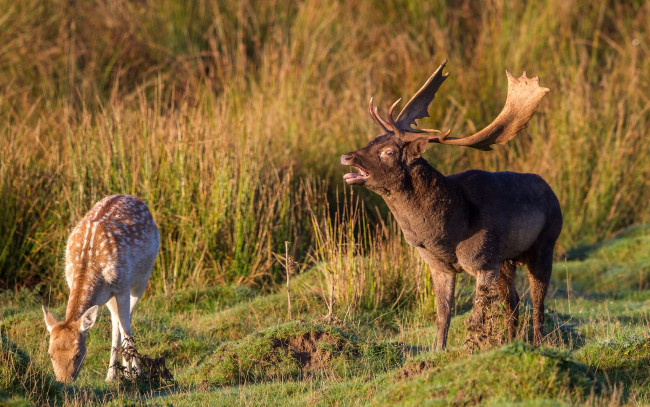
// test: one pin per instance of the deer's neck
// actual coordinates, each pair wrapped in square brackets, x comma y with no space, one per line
[424,189]
[83,294]
[429,208]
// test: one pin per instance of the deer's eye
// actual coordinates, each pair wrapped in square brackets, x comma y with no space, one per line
[389,153]
[77,356]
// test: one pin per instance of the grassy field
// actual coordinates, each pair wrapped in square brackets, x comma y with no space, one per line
[229,117]
[230,345]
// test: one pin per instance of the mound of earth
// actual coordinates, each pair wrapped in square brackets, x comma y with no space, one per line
[293,350]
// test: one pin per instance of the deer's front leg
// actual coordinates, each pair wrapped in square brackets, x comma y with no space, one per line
[115,340]
[124,316]
[486,289]
[479,325]
[444,284]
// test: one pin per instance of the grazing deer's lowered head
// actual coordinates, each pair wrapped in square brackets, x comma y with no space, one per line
[108,259]
[67,349]
[479,222]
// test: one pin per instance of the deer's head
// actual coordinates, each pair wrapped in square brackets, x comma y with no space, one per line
[67,348]
[385,162]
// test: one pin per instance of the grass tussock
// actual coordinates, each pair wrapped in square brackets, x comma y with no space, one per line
[517,371]
[362,264]
[20,377]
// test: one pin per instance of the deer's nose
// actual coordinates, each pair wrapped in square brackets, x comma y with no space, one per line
[346,159]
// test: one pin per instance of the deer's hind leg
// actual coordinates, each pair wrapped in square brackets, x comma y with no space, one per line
[540,265]
[508,294]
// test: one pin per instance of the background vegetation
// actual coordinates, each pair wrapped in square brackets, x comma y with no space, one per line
[229,118]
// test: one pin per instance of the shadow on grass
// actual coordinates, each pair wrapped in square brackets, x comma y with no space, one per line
[22,378]
[560,330]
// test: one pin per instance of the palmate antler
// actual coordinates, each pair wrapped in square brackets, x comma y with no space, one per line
[524,96]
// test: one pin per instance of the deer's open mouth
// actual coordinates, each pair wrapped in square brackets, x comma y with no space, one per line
[356,177]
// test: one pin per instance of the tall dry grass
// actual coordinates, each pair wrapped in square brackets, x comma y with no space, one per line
[228,118]
[365,264]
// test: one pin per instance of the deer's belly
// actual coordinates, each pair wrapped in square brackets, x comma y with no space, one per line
[521,234]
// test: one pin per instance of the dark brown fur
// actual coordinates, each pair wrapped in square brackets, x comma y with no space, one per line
[480,222]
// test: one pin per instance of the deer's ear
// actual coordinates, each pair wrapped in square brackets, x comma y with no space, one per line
[415,148]
[88,319]
[50,320]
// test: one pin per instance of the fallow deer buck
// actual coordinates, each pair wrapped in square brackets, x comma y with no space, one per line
[108,260]
[484,223]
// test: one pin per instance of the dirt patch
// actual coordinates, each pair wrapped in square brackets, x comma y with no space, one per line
[414,369]
[311,350]
[204,386]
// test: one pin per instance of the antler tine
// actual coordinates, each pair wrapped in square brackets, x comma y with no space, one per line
[384,123]
[398,132]
[373,114]
[416,107]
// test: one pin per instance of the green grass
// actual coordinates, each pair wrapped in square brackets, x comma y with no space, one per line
[230,345]
[622,263]
[515,373]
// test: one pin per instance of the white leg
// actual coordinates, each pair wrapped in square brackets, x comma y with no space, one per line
[133,301]
[124,316]
[115,340]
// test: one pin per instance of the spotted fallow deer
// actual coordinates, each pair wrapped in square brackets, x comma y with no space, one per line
[483,223]
[108,260]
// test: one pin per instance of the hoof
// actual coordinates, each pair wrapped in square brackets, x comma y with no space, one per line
[112,374]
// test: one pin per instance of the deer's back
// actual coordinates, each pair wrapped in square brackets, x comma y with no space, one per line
[110,241]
